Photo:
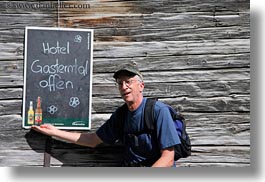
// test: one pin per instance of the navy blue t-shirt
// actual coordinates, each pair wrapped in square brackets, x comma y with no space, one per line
[142,147]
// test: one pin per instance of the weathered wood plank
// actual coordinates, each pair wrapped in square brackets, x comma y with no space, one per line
[148,7]
[236,103]
[27,158]
[208,156]
[10,93]
[170,48]
[11,68]
[232,154]
[165,27]
[143,23]
[152,63]
[236,156]
[202,88]
[207,61]
[153,34]
[197,89]
[152,21]
[8,107]
[12,51]
[191,89]
[15,15]
[183,76]
[204,129]
[11,81]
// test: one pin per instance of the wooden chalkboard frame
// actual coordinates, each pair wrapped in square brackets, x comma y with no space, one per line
[85,72]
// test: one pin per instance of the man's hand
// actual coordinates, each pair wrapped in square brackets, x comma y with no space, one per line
[166,159]
[46,129]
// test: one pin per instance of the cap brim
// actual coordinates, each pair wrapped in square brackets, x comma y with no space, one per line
[124,72]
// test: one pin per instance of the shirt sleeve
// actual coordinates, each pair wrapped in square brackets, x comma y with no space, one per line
[109,132]
[166,131]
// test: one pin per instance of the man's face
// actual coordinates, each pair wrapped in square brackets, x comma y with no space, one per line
[130,88]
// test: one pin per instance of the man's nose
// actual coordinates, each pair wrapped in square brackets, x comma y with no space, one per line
[123,85]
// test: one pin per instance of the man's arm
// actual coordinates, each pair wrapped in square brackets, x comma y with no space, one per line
[85,139]
[166,159]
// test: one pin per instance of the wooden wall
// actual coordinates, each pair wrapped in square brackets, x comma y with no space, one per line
[194,55]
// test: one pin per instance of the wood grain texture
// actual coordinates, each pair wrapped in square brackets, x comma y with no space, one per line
[194,55]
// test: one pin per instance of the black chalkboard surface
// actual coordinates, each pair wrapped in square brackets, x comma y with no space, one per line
[58,69]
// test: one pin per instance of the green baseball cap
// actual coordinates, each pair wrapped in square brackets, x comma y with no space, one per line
[127,69]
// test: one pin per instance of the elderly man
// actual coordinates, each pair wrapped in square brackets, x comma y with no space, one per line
[141,148]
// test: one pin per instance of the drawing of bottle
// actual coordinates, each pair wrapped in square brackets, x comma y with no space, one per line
[30,114]
[38,113]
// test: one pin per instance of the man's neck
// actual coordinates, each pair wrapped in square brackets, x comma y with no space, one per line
[134,105]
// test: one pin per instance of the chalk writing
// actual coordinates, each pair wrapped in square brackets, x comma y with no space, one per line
[88,41]
[55,82]
[59,68]
[56,49]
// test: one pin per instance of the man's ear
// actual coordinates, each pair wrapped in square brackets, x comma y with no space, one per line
[142,87]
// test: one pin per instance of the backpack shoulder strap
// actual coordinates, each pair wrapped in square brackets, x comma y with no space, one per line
[149,113]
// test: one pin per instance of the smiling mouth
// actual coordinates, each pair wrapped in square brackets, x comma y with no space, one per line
[125,94]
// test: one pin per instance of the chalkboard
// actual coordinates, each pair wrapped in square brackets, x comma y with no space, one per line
[58,69]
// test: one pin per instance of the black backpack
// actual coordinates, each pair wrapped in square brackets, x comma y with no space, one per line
[183,149]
